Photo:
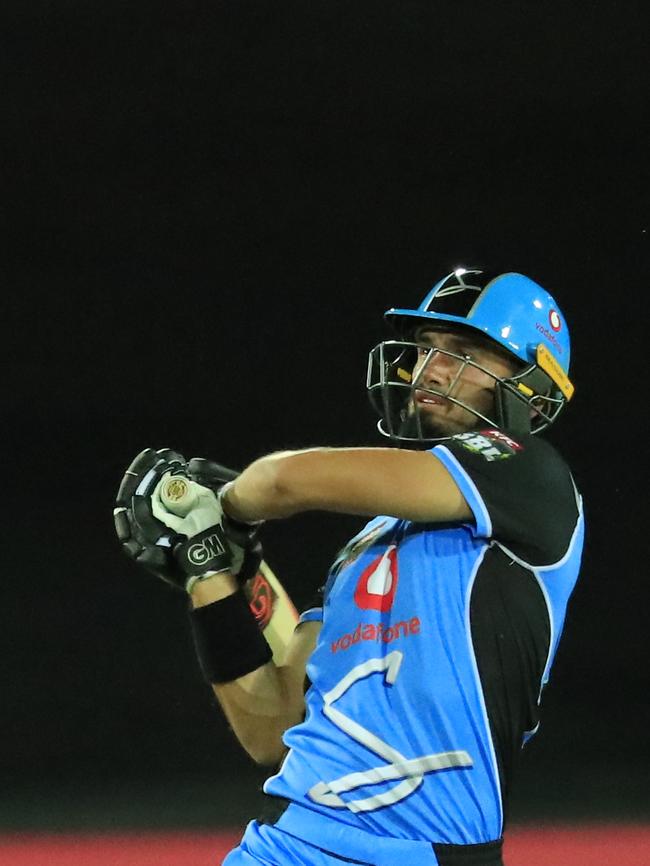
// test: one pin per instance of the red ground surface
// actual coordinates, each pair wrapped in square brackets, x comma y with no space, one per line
[601,845]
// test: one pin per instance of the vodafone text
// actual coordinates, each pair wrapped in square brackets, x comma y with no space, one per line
[549,336]
[379,633]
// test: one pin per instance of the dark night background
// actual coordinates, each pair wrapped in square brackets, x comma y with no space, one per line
[207,206]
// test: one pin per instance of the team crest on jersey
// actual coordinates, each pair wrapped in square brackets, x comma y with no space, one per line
[377,585]
[356,547]
[490,444]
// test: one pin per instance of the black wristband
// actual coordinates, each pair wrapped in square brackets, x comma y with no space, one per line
[227,639]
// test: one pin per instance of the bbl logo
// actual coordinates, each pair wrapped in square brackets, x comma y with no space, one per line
[490,444]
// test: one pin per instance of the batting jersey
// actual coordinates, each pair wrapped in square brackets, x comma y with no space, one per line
[437,640]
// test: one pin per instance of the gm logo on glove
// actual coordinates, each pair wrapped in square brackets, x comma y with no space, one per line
[199,554]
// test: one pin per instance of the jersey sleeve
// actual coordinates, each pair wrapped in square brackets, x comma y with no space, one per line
[520,492]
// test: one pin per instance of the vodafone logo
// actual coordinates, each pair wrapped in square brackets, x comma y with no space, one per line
[378,582]
[554,320]
[549,336]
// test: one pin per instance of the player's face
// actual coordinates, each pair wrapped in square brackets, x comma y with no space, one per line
[448,376]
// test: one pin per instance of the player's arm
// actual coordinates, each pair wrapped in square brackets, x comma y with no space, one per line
[411,485]
[199,552]
[261,705]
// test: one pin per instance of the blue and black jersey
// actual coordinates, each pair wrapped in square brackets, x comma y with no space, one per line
[436,643]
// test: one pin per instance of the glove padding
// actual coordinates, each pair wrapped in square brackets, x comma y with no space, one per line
[207,478]
[245,545]
[210,474]
[170,555]
[144,539]
[174,548]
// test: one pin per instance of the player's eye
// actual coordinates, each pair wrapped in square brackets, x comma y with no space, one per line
[425,352]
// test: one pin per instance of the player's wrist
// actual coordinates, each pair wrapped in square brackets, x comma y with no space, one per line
[206,589]
[227,639]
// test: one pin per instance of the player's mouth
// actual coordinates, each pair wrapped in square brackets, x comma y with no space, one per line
[426,399]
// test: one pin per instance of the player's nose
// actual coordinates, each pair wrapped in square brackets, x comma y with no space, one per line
[438,368]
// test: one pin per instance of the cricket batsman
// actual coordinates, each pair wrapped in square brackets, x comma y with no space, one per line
[395,711]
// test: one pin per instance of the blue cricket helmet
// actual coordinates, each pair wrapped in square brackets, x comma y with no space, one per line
[512,311]
[510,308]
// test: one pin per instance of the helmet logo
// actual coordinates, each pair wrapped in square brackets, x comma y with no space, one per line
[554,319]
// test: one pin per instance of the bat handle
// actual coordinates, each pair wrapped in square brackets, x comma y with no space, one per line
[177,495]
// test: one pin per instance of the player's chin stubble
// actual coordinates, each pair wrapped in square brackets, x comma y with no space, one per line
[429,425]
[434,427]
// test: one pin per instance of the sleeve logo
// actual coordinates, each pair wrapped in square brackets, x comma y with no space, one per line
[490,444]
